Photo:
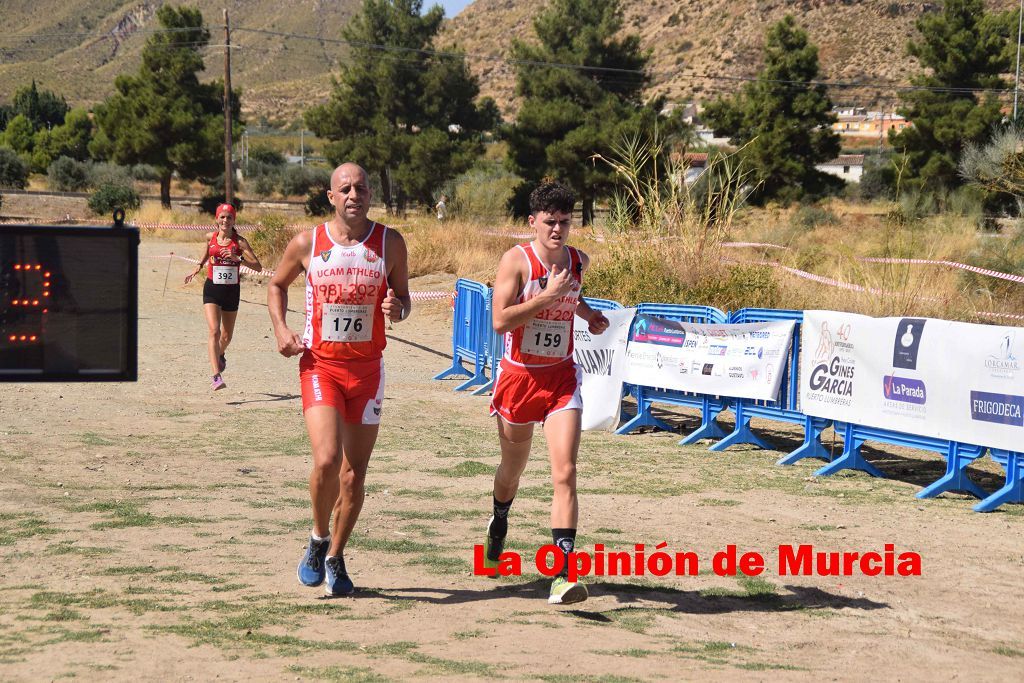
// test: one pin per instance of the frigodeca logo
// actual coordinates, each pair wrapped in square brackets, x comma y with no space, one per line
[1004,409]
[904,389]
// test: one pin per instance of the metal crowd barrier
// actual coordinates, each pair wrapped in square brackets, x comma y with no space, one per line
[602,304]
[1013,490]
[709,406]
[787,407]
[474,341]
[958,457]
[470,331]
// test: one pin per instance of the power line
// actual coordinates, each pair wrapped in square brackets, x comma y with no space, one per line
[611,71]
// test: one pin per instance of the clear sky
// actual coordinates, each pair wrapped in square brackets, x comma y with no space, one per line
[451,7]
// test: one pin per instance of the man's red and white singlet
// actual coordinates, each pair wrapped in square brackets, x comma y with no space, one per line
[345,287]
[546,339]
[222,267]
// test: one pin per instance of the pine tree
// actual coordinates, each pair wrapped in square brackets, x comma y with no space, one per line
[163,116]
[402,111]
[963,49]
[782,120]
[574,112]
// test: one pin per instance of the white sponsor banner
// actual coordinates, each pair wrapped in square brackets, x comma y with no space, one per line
[602,359]
[744,360]
[920,376]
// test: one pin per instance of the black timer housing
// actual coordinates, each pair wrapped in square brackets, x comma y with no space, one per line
[69,303]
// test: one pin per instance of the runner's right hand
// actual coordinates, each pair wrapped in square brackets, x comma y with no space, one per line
[559,282]
[289,343]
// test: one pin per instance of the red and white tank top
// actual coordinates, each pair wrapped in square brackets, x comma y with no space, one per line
[222,266]
[345,286]
[546,339]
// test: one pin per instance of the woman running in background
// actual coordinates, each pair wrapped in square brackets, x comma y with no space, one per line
[226,250]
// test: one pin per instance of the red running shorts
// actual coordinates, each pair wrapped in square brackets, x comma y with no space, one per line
[354,388]
[528,395]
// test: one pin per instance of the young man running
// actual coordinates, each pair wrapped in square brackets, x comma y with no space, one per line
[357,275]
[536,296]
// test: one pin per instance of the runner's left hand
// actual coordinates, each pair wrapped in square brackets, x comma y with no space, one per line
[598,323]
[392,306]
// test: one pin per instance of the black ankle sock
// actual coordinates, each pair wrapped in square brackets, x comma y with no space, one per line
[566,540]
[499,527]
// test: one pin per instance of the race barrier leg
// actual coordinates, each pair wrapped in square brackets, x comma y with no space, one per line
[456,370]
[812,446]
[495,350]
[851,459]
[955,478]
[709,427]
[643,417]
[742,432]
[1013,490]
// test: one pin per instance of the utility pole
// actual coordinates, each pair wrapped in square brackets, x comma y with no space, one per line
[228,170]
[1016,81]
[302,143]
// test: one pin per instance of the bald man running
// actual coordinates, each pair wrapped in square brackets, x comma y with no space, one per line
[357,275]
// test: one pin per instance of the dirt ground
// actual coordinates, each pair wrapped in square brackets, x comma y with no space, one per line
[150,531]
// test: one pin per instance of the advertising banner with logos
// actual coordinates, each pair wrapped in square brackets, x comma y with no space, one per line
[743,361]
[602,359]
[921,376]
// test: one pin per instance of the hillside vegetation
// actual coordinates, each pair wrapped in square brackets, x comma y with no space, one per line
[78,48]
[858,40]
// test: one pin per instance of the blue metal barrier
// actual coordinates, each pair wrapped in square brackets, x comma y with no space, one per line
[709,406]
[470,326]
[786,407]
[1013,490]
[494,346]
[602,304]
[958,457]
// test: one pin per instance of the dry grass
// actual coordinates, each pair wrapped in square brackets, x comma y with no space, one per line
[632,270]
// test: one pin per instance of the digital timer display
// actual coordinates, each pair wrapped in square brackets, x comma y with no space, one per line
[68,303]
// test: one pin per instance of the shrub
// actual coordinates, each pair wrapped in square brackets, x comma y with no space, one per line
[633,273]
[67,175]
[145,173]
[267,156]
[317,203]
[108,197]
[13,170]
[810,217]
[270,239]
[110,174]
[483,193]
[298,180]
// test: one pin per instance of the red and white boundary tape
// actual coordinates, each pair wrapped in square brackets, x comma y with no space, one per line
[951,264]
[209,227]
[860,288]
[432,295]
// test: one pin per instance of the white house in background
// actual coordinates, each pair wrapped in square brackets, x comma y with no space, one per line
[696,163]
[849,167]
[707,136]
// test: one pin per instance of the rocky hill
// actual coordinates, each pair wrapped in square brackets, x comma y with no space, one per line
[77,48]
[698,48]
